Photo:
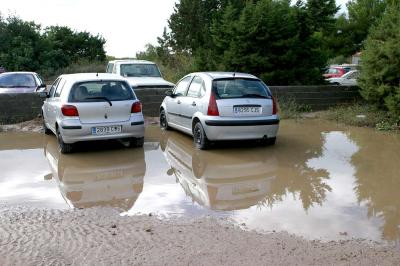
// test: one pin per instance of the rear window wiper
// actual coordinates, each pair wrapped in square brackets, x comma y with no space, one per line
[99,98]
[255,96]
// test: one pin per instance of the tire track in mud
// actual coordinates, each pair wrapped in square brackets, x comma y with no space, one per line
[102,237]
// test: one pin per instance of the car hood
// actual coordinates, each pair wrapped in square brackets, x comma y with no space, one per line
[17,90]
[148,81]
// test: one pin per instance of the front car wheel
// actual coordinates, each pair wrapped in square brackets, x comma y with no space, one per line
[163,120]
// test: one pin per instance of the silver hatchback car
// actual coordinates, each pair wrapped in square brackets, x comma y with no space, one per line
[85,107]
[214,106]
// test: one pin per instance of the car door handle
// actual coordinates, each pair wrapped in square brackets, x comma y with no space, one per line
[179,102]
[193,103]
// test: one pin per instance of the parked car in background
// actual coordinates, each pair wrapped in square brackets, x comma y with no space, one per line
[140,73]
[334,72]
[348,79]
[21,82]
[214,106]
[2,70]
[86,107]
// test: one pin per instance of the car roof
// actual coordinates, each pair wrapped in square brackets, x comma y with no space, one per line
[219,75]
[131,61]
[19,72]
[91,76]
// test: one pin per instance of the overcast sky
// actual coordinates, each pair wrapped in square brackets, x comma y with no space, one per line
[127,25]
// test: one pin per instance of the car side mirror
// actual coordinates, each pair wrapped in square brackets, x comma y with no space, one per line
[169,93]
[43,94]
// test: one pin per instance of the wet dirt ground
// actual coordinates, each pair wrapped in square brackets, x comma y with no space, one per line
[320,180]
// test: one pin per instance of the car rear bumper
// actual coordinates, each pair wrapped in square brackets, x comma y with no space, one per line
[228,129]
[72,130]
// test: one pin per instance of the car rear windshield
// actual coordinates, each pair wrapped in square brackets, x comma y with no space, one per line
[97,91]
[240,88]
[140,70]
[17,80]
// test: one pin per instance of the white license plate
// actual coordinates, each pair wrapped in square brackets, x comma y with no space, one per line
[243,110]
[106,130]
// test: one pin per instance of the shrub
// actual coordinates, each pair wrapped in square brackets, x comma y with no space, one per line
[380,75]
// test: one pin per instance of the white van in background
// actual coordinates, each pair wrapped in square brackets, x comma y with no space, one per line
[140,73]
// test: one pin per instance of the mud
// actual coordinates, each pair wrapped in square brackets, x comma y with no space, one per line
[102,237]
[320,180]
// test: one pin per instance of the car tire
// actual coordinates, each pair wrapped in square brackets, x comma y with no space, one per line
[64,147]
[199,137]
[163,120]
[136,142]
[47,131]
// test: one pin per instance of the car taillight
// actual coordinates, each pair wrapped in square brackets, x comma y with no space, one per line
[136,107]
[69,110]
[212,106]
[274,106]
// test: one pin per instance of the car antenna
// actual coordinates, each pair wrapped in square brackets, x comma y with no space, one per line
[234,73]
[97,74]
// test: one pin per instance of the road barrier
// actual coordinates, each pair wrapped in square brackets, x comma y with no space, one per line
[16,108]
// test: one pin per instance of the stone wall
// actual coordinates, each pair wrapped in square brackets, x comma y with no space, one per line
[21,107]
[16,108]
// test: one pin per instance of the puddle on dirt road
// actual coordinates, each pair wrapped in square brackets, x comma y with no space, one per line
[319,181]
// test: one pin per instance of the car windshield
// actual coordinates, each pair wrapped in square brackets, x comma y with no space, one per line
[240,88]
[98,91]
[140,70]
[17,80]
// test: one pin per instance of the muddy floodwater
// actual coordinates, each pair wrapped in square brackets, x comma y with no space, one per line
[320,180]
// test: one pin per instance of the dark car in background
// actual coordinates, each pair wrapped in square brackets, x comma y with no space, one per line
[21,82]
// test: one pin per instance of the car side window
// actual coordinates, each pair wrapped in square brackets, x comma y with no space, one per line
[196,88]
[59,88]
[181,87]
[53,88]
[41,82]
[110,67]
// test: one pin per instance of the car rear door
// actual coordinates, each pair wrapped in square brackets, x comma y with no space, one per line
[173,103]
[191,103]
[242,98]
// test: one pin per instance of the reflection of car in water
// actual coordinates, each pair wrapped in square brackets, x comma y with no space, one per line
[105,178]
[229,179]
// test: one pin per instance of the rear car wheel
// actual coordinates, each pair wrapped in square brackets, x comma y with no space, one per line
[64,147]
[163,120]
[47,131]
[199,137]
[136,142]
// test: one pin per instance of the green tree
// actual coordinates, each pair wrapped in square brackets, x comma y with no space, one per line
[19,44]
[380,75]
[362,15]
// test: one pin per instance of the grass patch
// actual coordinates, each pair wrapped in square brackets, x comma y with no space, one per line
[362,115]
[289,109]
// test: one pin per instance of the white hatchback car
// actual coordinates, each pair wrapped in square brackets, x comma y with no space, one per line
[85,107]
[348,79]
[214,106]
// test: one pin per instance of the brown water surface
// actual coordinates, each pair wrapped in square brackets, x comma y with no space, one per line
[320,180]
